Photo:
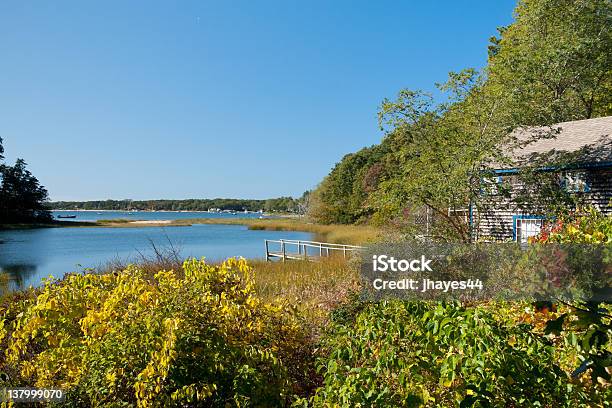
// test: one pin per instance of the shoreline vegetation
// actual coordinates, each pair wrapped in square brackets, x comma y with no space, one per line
[307,323]
[334,233]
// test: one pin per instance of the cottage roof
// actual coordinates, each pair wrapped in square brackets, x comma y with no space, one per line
[579,141]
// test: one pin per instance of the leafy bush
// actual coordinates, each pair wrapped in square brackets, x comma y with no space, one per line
[587,322]
[198,338]
[416,353]
[590,227]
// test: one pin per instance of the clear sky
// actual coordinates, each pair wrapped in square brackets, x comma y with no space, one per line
[204,99]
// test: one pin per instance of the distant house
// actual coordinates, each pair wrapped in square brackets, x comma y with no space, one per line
[587,172]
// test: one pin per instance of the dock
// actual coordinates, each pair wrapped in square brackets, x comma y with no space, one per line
[306,250]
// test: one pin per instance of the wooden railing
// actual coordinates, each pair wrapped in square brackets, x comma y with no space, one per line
[307,250]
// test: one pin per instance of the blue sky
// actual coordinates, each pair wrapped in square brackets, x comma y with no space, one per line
[202,99]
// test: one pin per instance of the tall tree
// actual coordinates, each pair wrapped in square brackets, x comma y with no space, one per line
[554,62]
[341,196]
[443,153]
[22,198]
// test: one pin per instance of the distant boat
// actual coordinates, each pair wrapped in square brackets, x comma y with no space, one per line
[66,216]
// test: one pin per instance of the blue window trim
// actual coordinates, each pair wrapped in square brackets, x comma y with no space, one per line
[587,184]
[523,217]
[498,180]
[577,166]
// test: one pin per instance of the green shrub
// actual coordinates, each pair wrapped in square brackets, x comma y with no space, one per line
[200,338]
[416,353]
[588,321]
[589,227]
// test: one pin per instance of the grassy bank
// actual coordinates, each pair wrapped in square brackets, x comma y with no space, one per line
[50,224]
[335,233]
[345,234]
[314,288]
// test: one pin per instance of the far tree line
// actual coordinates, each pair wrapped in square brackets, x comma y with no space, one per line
[281,204]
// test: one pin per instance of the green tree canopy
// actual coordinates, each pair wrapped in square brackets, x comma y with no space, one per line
[22,198]
[554,63]
[341,196]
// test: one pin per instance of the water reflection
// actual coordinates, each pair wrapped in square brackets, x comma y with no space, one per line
[28,256]
[13,276]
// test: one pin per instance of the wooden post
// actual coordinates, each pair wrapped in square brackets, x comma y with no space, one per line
[299,247]
[344,250]
[283,250]
[267,251]
[305,252]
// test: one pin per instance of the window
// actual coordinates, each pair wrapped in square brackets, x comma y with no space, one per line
[575,182]
[526,226]
[490,185]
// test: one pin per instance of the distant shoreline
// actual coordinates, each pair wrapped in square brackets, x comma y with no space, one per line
[345,234]
[157,211]
[239,205]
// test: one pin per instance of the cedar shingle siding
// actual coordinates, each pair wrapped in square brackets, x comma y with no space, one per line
[590,141]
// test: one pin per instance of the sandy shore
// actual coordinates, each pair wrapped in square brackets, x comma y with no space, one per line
[151,222]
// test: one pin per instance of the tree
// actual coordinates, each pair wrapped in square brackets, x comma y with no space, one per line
[553,64]
[22,198]
[303,203]
[342,195]
[442,153]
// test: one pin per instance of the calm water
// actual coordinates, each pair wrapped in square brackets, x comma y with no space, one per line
[30,255]
[144,215]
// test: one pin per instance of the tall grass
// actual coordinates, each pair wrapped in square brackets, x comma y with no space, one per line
[334,233]
[114,221]
[5,281]
[313,288]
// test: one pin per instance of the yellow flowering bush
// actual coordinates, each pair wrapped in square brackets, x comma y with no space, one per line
[587,227]
[197,337]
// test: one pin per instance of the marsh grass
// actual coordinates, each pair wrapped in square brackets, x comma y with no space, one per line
[5,281]
[334,233]
[115,221]
[314,288]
